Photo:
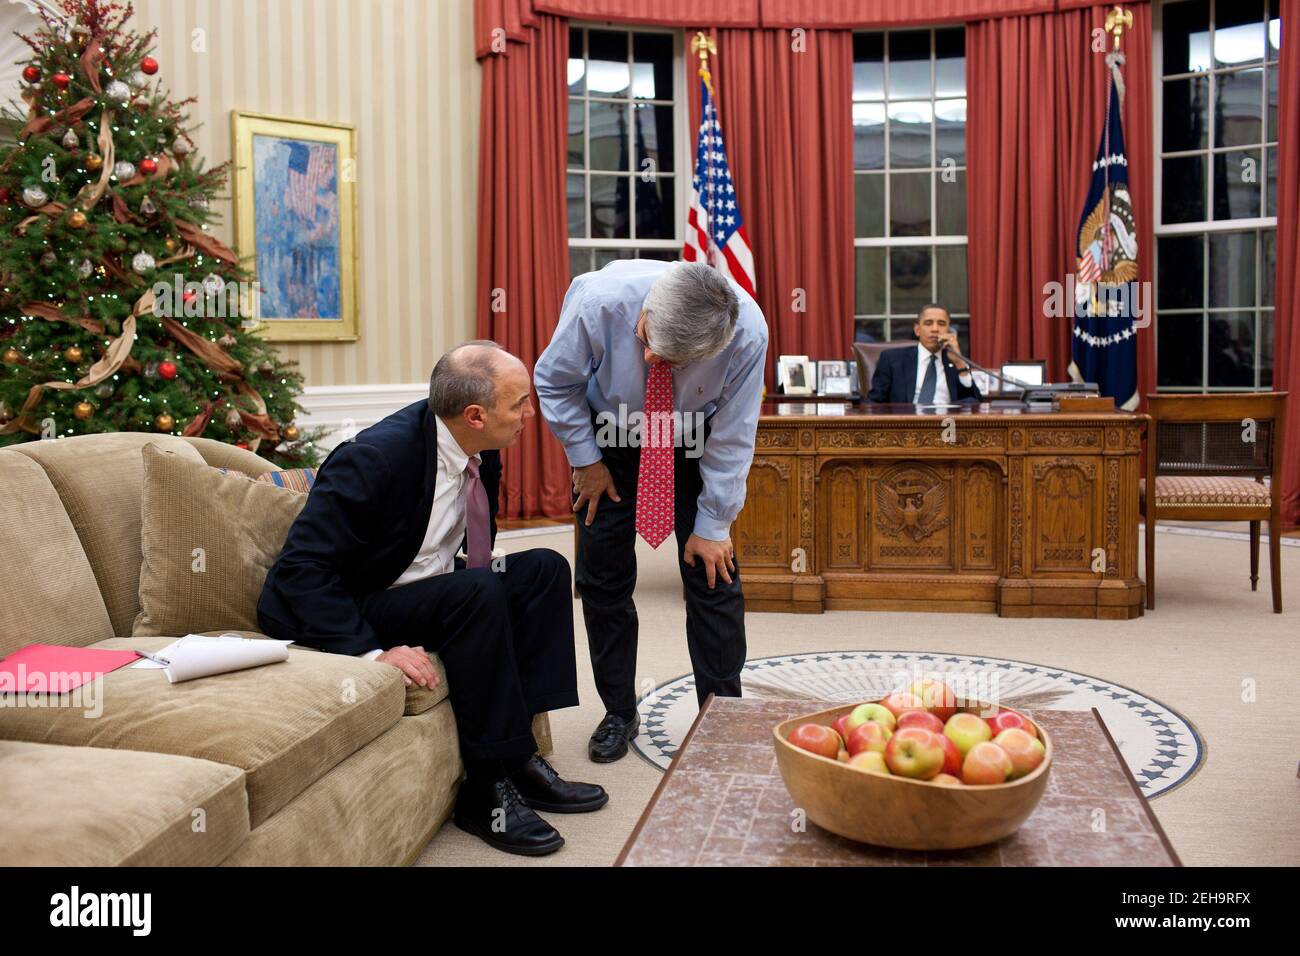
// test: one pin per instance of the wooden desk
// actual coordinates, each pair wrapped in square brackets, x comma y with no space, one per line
[1026,514]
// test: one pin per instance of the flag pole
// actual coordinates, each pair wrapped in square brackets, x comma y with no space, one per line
[702,44]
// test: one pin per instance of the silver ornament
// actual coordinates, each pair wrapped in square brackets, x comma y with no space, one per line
[104,391]
[49,259]
[142,263]
[138,80]
[124,171]
[118,92]
[233,420]
[86,269]
[147,208]
[180,147]
[227,341]
[213,284]
[35,196]
[70,140]
[199,202]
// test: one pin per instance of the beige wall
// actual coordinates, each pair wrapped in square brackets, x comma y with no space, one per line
[403,72]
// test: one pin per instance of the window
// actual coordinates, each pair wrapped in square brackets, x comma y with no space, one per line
[909,161]
[1216,193]
[626,146]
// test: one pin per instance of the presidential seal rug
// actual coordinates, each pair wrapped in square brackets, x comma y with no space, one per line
[1160,746]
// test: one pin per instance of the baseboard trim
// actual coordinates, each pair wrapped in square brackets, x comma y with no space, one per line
[343,410]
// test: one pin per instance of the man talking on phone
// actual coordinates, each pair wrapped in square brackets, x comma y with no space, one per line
[933,372]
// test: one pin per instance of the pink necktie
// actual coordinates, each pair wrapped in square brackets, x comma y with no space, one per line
[478,527]
[654,486]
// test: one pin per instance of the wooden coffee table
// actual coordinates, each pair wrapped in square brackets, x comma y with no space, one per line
[723,803]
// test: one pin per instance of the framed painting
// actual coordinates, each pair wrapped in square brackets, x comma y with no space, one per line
[294,190]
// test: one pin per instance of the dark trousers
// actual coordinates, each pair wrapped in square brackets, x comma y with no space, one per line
[605,573]
[505,638]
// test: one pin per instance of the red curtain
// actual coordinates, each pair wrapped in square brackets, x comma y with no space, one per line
[1286,376]
[523,253]
[1036,94]
[786,114]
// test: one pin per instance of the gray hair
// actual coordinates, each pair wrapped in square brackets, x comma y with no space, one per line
[459,381]
[693,312]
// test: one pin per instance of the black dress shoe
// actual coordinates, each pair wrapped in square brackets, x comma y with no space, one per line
[609,742]
[497,815]
[543,789]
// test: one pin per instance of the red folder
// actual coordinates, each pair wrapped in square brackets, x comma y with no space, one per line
[51,669]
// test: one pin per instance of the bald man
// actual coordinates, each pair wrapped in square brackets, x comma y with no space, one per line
[369,568]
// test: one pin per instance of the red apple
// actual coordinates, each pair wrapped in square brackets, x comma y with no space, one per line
[915,752]
[938,697]
[1006,720]
[946,780]
[817,739]
[951,757]
[966,730]
[838,723]
[868,736]
[864,712]
[870,761]
[900,702]
[1026,752]
[920,718]
[986,763]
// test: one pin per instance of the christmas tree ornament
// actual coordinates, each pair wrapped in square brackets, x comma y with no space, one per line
[233,420]
[61,80]
[242,444]
[70,140]
[188,296]
[167,370]
[147,208]
[83,410]
[266,368]
[164,422]
[180,147]
[93,162]
[35,197]
[138,80]
[149,65]
[143,263]
[148,165]
[104,391]
[48,260]
[213,284]
[12,357]
[5,415]
[290,432]
[141,105]
[124,171]
[77,219]
[227,341]
[6,196]
[199,202]
[151,370]
[73,355]
[118,92]
[170,244]
[32,74]
[86,269]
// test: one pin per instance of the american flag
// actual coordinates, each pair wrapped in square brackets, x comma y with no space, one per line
[309,170]
[715,231]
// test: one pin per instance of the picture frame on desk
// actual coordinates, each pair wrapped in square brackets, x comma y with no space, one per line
[836,385]
[831,369]
[796,375]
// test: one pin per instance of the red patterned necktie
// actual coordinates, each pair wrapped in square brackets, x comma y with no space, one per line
[478,519]
[654,485]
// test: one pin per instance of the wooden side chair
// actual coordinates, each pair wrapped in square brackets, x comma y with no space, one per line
[1206,461]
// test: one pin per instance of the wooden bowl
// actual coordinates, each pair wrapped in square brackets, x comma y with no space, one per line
[900,812]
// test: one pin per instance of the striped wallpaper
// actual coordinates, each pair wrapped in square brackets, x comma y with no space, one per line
[402,71]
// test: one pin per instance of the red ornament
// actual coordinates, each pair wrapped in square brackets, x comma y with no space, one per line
[242,444]
[5,195]
[167,370]
[148,165]
[188,296]
[61,80]
[32,74]
[149,66]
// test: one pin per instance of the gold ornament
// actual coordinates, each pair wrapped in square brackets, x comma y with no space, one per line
[164,423]
[93,162]
[12,356]
[171,245]
[83,411]
[77,220]
[290,433]
[233,420]
[73,354]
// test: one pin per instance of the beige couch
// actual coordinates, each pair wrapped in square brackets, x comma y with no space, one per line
[322,760]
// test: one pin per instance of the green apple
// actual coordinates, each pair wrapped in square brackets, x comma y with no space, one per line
[965,731]
[864,712]
[869,761]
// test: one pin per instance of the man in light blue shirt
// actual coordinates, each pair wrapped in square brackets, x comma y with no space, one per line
[700,341]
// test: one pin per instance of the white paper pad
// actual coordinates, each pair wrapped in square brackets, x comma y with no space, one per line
[195,655]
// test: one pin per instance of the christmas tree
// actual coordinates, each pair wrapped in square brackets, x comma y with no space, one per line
[119,310]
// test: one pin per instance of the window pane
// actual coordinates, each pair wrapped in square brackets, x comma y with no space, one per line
[609,136]
[652,66]
[902,331]
[1274,30]
[1186,36]
[950,62]
[869,205]
[1180,279]
[868,136]
[909,64]
[654,137]
[909,279]
[655,216]
[962,328]
[950,265]
[869,281]
[950,131]
[950,201]
[1266,349]
[663,255]
[1232,350]
[1238,114]
[1270,134]
[1236,184]
[870,330]
[609,207]
[577,112]
[868,66]
[607,72]
[1238,32]
[1183,189]
[576,194]
[909,133]
[1268,277]
[1271,182]
[909,204]
[1185,122]
[1232,269]
[579,261]
[605,256]
[577,69]
[1179,350]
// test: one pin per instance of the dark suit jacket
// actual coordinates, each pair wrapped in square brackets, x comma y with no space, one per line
[363,524]
[895,379]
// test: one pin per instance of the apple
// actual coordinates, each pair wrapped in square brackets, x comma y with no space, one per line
[946,780]
[900,702]
[817,739]
[938,697]
[838,723]
[915,752]
[966,730]
[1026,752]
[920,718]
[842,756]
[951,757]
[864,712]
[986,763]
[870,761]
[868,736]
[1006,720]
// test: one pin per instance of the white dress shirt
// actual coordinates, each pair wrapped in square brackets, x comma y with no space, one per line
[941,395]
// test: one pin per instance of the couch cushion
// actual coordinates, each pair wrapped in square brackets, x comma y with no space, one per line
[218,454]
[84,806]
[297,479]
[239,525]
[284,724]
[50,592]
[98,478]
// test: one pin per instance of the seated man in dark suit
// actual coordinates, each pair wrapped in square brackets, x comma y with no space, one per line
[922,374]
[369,568]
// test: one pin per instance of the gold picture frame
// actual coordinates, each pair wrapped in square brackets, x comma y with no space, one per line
[281,174]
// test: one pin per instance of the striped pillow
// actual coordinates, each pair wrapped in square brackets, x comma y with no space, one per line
[297,479]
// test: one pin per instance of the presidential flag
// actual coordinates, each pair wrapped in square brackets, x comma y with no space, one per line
[715,231]
[1104,346]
